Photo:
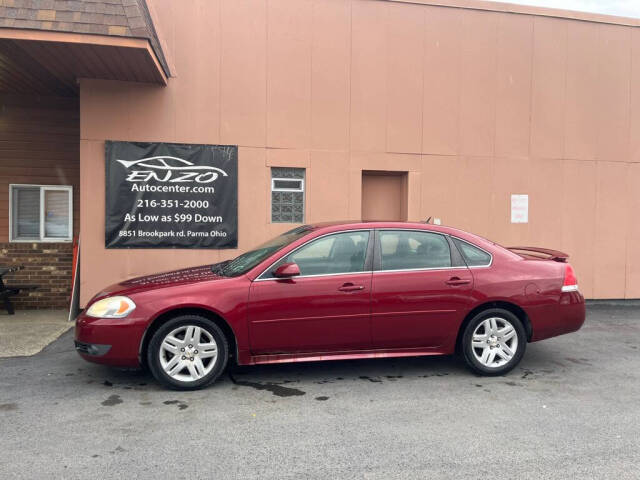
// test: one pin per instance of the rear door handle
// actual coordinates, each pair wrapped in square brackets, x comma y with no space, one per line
[457,281]
[350,287]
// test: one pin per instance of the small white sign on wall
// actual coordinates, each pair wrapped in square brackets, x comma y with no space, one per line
[519,208]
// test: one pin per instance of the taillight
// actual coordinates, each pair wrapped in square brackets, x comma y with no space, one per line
[570,281]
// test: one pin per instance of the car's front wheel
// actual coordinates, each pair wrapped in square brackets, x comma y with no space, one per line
[187,352]
[494,342]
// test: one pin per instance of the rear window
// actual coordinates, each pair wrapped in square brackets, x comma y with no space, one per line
[473,256]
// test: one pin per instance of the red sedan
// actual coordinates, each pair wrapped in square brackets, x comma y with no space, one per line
[337,291]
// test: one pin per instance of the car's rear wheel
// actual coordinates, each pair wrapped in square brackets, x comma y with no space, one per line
[187,352]
[494,342]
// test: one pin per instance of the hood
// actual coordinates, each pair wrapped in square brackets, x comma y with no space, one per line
[173,278]
[181,277]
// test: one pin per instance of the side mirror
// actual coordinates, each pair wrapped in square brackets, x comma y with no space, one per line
[286,270]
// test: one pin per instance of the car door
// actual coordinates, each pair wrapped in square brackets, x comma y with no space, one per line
[325,308]
[420,291]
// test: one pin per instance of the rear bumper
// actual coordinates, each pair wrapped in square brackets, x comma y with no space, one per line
[109,341]
[565,316]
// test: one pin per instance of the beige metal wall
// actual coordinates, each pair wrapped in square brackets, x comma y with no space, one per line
[475,105]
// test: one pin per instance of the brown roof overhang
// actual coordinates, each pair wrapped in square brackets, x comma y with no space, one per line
[49,59]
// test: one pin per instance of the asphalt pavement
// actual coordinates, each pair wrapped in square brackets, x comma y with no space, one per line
[570,410]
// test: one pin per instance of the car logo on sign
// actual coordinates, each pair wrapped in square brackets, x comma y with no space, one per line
[169,169]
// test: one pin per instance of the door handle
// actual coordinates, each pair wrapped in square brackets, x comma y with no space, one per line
[457,281]
[350,287]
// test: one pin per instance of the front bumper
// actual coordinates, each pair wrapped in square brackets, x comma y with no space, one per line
[110,341]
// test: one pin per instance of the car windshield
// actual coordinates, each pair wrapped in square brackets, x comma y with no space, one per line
[245,262]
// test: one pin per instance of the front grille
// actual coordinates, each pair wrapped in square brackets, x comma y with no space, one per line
[92,348]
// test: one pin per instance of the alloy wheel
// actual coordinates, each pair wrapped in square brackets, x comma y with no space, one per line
[188,353]
[494,342]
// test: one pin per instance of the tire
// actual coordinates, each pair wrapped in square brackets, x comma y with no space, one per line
[493,342]
[200,347]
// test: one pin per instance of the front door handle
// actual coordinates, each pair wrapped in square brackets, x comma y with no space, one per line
[350,287]
[457,281]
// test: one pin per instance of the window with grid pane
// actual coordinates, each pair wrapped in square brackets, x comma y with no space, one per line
[287,194]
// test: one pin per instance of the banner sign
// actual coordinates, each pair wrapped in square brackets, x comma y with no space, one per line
[168,195]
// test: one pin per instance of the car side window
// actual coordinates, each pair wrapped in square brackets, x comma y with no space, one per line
[337,253]
[408,249]
[474,256]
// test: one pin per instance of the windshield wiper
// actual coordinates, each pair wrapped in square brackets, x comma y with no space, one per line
[218,268]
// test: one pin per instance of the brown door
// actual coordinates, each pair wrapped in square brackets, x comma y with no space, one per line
[384,196]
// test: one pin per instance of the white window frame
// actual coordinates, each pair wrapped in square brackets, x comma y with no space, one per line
[274,189]
[43,189]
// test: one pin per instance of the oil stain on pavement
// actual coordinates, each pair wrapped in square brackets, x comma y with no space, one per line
[112,400]
[277,389]
[181,405]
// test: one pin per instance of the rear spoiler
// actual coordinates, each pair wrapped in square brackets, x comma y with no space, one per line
[552,254]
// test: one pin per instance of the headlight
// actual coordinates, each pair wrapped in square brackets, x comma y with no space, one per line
[111,307]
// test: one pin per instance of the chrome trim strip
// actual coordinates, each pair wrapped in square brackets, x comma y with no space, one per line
[297,319]
[410,312]
[420,269]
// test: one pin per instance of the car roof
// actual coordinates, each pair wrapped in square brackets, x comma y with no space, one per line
[335,226]
[356,224]
[361,223]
